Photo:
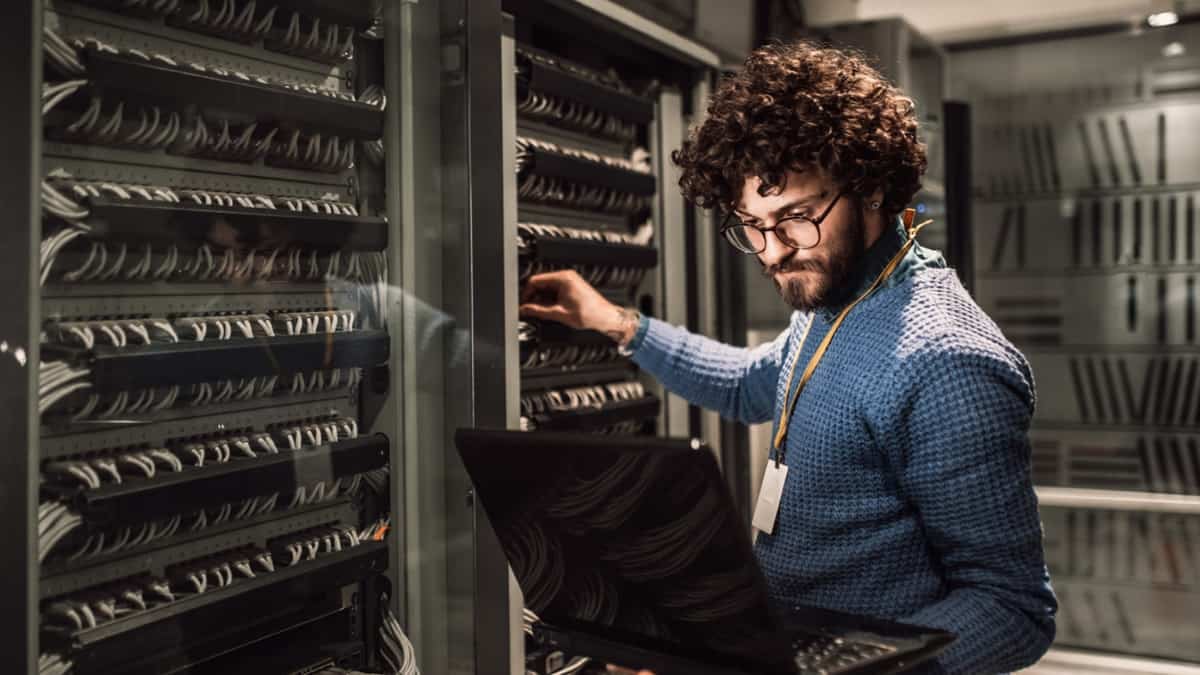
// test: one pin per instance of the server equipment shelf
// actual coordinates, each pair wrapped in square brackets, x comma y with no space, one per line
[537,74]
[553,164]
[236,479]
[598,417]
[146,627]
[124,220]
[121,368]
[161,81]
[562,250]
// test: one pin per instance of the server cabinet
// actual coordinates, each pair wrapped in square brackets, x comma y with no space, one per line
[593,99]
[600,100]
[278,267]
[226,372]
[1084,250]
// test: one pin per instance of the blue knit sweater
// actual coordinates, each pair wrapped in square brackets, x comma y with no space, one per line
[908,494]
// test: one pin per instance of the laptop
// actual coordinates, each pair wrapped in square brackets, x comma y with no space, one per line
[629,551]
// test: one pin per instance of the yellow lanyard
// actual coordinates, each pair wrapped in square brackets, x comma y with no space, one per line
[790,404]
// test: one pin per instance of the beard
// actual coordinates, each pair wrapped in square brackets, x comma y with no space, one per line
[827,277]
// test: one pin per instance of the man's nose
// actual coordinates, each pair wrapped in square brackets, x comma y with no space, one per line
[775,252]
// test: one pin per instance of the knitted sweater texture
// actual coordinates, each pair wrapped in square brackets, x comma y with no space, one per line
[908,494]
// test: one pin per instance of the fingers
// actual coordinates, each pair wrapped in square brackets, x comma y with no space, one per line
[555,281]
[546,285]
[547,313]
[552,280]
[550,287]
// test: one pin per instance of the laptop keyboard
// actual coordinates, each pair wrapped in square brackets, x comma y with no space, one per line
[828,655]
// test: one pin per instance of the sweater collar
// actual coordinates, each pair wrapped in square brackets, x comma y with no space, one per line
[868,267]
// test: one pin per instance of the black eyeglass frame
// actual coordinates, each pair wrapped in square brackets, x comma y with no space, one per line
[727,226]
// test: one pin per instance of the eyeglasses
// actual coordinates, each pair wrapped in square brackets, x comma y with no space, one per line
[795,231]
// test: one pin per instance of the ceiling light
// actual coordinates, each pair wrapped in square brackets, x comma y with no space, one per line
[1173,49]
[1162,13]
[1161,19]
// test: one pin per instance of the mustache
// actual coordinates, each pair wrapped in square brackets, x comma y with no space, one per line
[792,265]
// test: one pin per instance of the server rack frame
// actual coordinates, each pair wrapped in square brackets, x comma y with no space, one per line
[409,27]
[1094,161]
[20,152]
[675,222]
[476,392]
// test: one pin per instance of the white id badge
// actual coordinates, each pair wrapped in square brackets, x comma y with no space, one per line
[769,496]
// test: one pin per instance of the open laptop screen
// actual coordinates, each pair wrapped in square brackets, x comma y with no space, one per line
[632,538]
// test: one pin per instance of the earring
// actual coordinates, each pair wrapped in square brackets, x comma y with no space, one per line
[875,205]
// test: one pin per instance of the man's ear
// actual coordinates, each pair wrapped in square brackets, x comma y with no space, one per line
[874,201]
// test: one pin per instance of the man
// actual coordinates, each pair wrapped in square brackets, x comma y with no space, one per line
[903,483]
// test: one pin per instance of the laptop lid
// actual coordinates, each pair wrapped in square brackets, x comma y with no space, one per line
[635,540]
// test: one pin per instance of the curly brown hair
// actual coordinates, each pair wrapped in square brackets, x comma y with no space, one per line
[796,105]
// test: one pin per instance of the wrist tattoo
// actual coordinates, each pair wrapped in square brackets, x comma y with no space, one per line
[627,324]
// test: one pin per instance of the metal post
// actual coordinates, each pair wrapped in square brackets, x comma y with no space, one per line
[20,155]
[731,329]
[419,457]
[508,304]
[478,300]
[21,163]
[705,270]
[670,221]
[957,143]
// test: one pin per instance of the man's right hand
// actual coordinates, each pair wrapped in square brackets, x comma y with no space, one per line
[566,298]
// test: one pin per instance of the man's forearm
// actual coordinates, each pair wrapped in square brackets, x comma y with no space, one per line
[736,382]
[993,636]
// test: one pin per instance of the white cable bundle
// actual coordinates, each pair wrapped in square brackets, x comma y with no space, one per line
[56,381]
[60,53]
[55,521]
[63,53]
[397,650]
[638,163]
[573,666]
[316,41]
[54,93]
[53,664]
[241,24]
[529,617]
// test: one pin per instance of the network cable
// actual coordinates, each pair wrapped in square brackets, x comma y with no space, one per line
[53,664]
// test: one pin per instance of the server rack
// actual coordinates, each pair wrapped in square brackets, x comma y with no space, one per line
[593,126]
[211,362]
[404,235]
[594,98]
[1084,252]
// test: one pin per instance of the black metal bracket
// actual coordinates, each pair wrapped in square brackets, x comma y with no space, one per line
[159,81]
[558,82]
[558,165]
[611,413]
[121,220]
[552,333]
[60,576]
[357,13]
[569,251]
[141,630]
[134,501]
[554,377]
[162,365]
